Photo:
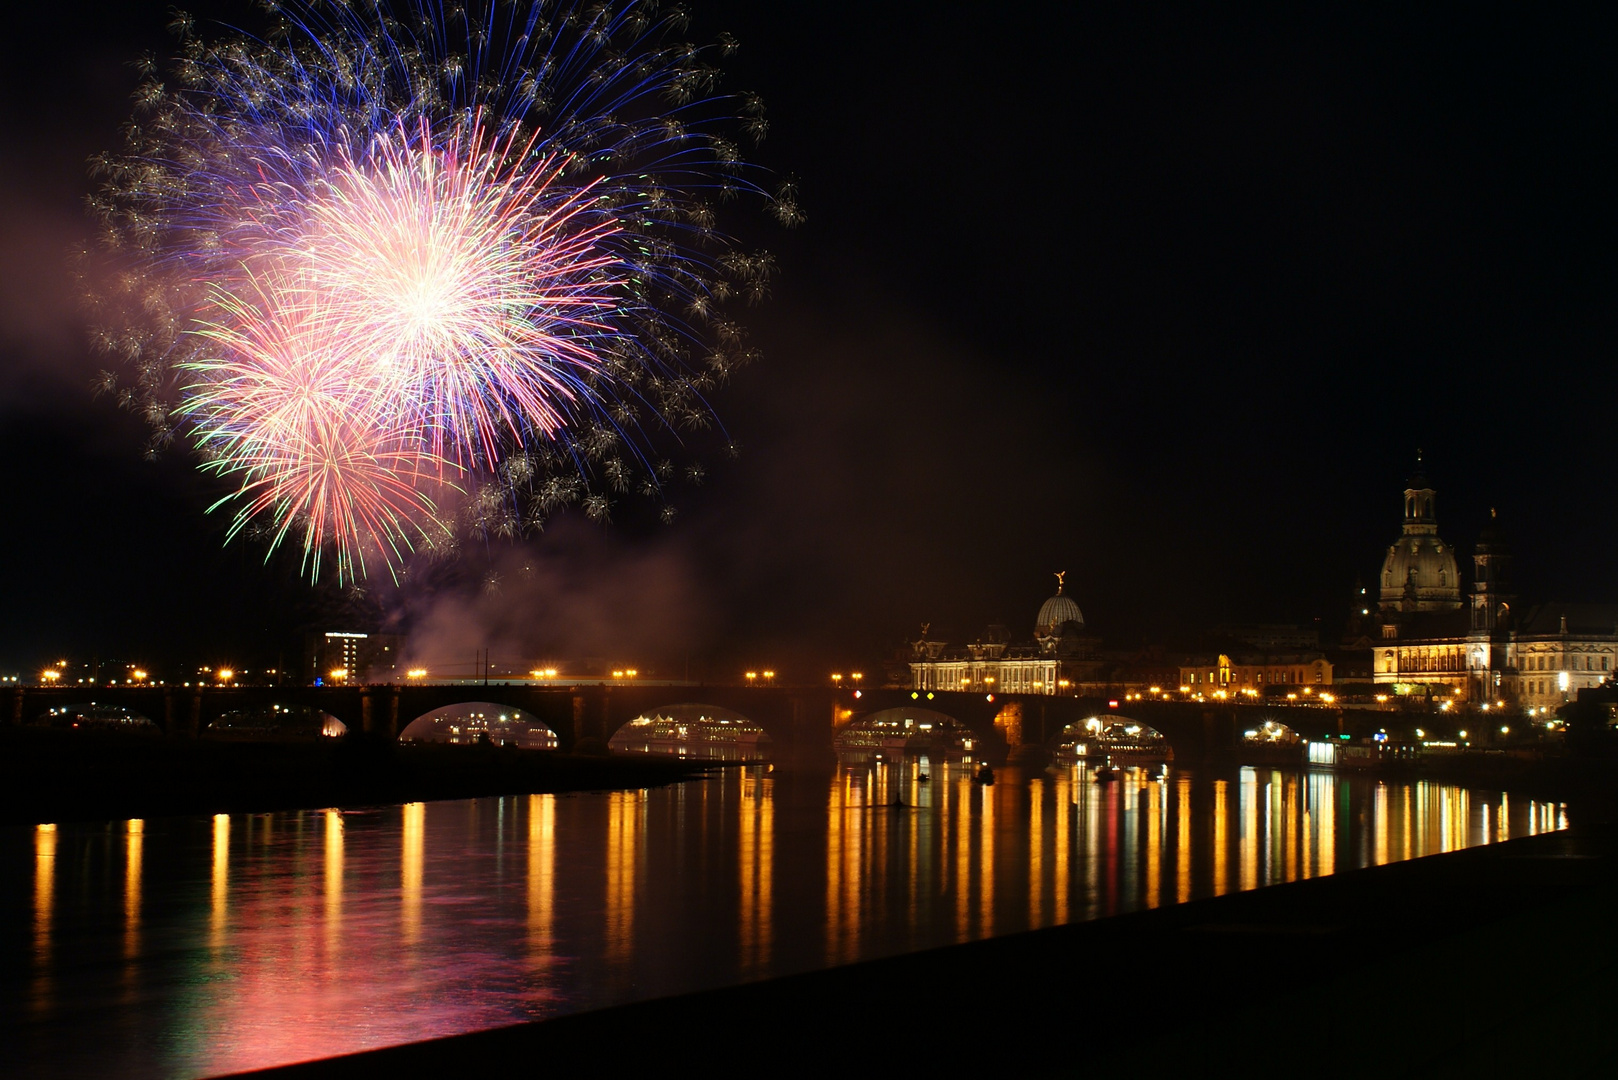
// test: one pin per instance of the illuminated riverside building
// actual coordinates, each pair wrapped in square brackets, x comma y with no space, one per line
[1253,673]
[1060,659]
[1425,640]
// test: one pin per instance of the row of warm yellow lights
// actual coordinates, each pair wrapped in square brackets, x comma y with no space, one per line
[752,676]
[1247,691]
[837,677]
[988,680]
[136,675]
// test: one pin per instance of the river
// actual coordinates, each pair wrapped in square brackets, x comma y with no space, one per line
[192,946]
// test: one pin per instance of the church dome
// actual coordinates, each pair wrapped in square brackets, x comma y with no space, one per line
[1055,613]
[1419,573]
[1427,564]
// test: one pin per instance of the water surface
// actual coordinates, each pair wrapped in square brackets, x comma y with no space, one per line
[187,947]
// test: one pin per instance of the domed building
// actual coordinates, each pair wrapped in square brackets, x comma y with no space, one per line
[1057,613]
[1058,658]
[1432,644]
[1419,573]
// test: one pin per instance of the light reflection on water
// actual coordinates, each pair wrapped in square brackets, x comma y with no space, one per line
[187,947]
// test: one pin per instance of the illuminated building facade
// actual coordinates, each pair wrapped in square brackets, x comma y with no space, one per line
[1254,673]
[1059,659]
[1491,650]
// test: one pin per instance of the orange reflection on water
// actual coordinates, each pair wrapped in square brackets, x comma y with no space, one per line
[541,876]
[1036,853]
[1154,845]
[755,858]
[1182,840]
[1379,810]
[1221,845]
[412,841]
[334,879]
[44,890]
[135,837]
[1324,786]
[623,857]
[219,895]
[959,837]
[985,866]
[44,911]
[1289,827]
[1063,803]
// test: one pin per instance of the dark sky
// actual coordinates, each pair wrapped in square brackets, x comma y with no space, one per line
[1165,299]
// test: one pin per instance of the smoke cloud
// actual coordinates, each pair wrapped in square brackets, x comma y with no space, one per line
[583,596]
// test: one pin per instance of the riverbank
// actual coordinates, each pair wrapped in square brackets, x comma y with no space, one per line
[1496,961]
[48,775]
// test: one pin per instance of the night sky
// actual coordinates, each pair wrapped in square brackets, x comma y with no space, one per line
[1167,300]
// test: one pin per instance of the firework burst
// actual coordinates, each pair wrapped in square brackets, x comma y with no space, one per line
[378,259]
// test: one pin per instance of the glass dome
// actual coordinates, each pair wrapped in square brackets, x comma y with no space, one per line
[94,715]
[277,721]
[691,730]
[472,722]
[906,730]
[1118,738]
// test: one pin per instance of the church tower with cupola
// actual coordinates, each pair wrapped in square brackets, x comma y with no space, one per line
[1491,579]
[1419,573]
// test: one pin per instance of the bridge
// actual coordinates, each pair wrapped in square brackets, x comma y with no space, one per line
[798,719]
